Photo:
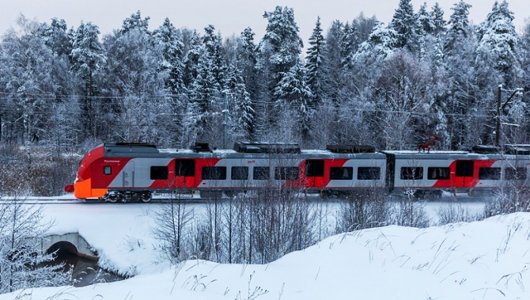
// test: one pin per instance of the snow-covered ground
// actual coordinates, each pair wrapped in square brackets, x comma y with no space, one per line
[123,233]
[489,259]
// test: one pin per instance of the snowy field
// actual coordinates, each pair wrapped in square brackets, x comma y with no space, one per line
[480,260]
[489,259]
[123,236]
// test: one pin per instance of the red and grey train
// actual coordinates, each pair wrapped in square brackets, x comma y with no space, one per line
[134,171]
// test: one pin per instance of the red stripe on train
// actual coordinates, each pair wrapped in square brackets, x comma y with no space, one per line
[463,181]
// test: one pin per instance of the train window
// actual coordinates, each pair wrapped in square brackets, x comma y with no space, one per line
[314,167]
[158,172]
[438,173]
[261,173]
[489,173]
[214,173]
[464,168]
[411,173]
[515,174]
[286,173]
[184,167]
[240,173]
[341,173]
[368,173]
[107,170]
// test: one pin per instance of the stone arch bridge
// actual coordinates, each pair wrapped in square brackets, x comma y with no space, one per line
[71,242]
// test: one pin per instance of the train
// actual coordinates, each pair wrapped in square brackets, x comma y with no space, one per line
[126,172]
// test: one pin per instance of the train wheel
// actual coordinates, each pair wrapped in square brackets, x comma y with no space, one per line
[113,198]
[145,197]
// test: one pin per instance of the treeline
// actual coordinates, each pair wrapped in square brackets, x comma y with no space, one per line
[360,82]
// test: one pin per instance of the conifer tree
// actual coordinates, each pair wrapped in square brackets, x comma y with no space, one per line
[437,17]
[191,59]
[425,20]
[246,58]
[462,88]
[459,27]
[332,62]
[212,43]
[380,45]
[498,43]
[405,24]
[294,91]
[88,58]
[314,64]
[135,21]
[279,51]
[205,93]
[139,110]
[347,46]
[171,47]
[241,106]
[56,37]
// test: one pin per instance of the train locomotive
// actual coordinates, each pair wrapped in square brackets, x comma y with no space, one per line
[135,171]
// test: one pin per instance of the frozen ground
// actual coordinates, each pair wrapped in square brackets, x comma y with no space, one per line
[489,259]
[481,260]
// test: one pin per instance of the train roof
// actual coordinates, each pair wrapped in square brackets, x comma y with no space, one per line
[407,154]
[146,150]
[203,151]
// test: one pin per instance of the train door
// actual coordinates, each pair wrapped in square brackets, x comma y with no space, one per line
[314,172]
[464,173]
[128,174]
[185,173]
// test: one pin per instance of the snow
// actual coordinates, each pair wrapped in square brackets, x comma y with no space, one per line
[121,234]
[480,260]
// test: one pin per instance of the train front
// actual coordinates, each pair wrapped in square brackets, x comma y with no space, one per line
[82,186]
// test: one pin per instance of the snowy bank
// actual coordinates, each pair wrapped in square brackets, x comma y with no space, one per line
[489,259]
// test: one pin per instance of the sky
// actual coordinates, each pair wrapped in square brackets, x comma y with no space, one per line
[228,16]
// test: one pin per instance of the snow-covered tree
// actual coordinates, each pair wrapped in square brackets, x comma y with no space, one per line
[205,93]
[135,22]
[406,25]
[29,88]
[498,43]
[294,91]
[425,20]
[525,54]
[314,64]
[241,107]
[191,58]
[168,40]
[363,27]
[135,107]
[279,51]
[212,43]
[169,44]
[400,102]
[380,45]
[459,27]
[57,37]
[332,61]
[22,264]
[437,17]
[246,58]
[88,59]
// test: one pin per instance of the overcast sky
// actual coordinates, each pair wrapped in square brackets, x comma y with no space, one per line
[228,16]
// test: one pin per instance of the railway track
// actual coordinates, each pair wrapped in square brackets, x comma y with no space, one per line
[30,201]
[195,199]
